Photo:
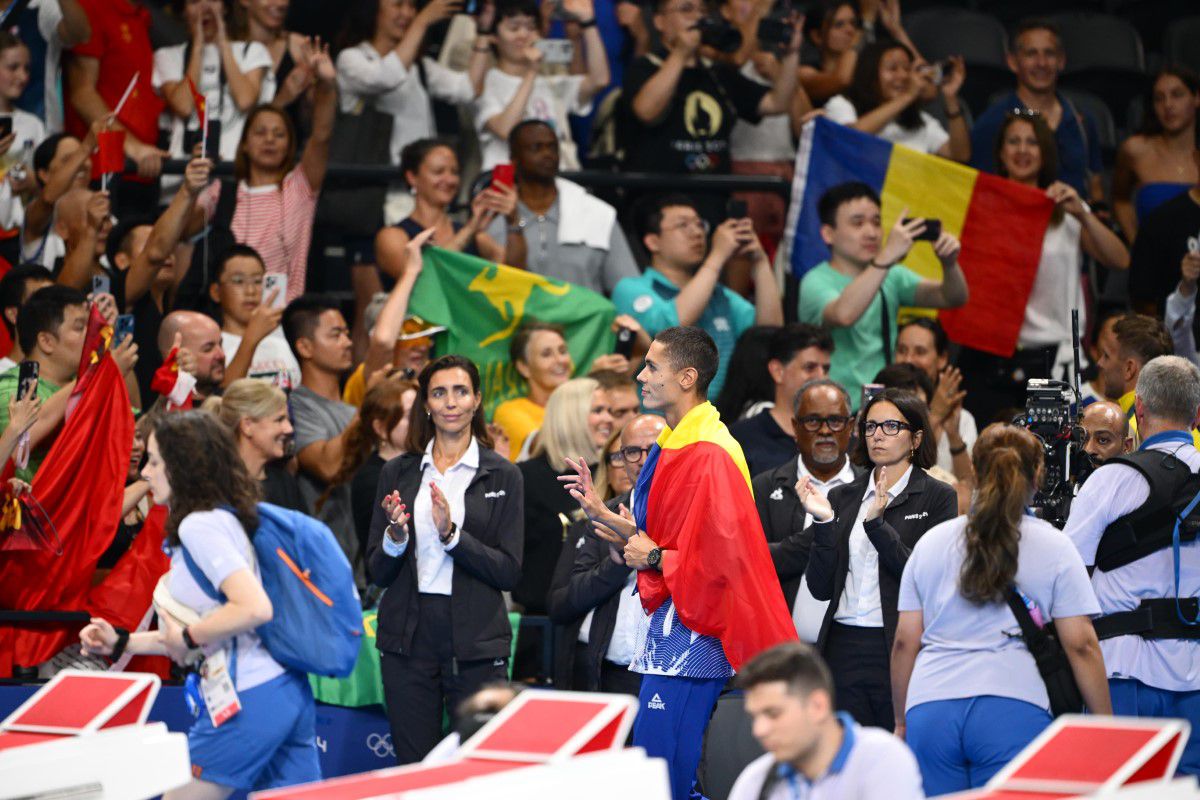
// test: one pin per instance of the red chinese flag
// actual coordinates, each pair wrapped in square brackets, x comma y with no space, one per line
[200,103]
[81,485]
[110,153]
[126,594]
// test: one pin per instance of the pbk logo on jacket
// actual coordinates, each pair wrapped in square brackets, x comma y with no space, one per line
[656,703]
[922,515]
[493,495]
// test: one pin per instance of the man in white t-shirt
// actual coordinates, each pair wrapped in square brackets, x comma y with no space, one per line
[250,315]
[812,751]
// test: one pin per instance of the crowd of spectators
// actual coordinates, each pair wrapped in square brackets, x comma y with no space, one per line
[246,261]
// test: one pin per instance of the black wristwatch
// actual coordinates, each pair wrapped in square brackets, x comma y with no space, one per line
[449,534]
[654,558]
[189,641]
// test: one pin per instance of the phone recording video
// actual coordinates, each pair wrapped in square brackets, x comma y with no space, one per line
[27,378]
[932,232]
[502,174]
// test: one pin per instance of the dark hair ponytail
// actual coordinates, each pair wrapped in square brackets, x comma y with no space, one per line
[1007,460]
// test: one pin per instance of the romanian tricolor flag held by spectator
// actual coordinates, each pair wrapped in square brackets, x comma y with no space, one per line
[482,304]
[720,578]
[1001,223]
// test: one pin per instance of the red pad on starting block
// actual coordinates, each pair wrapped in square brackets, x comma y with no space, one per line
[78,701]
[542,726]
[1092,755]
[538,727]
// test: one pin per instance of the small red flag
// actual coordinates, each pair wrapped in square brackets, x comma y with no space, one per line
[200,102]
[110,153]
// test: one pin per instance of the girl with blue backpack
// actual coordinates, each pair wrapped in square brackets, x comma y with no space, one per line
[255,723]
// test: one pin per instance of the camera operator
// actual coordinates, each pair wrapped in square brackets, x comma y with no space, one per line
[1123,523]
[1106,431]
[681,107]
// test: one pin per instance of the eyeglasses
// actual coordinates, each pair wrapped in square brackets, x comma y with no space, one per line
[701,224]
[890,427]
[813,423]
[241,281]
[630,455]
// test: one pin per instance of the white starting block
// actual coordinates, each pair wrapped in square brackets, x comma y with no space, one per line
[1123,758]
[544,745]
[85,734]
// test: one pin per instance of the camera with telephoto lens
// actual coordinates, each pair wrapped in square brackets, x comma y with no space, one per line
[718,34]
[1065,465]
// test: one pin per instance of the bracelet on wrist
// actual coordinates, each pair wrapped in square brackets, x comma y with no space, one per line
[119,648]
[958,451]
[954,114]
[189,641]
[587,23]
[449,537]
[877,265]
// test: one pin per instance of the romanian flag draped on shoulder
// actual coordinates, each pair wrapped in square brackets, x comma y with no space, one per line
[1001,223]
[482,304]
[719,576]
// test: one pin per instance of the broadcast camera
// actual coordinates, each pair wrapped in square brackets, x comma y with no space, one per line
[1048,416]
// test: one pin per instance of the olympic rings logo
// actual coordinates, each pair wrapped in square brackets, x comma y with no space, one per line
[381,745]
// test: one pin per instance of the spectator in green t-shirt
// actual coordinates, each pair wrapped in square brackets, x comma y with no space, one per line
[51,328]
[858,291]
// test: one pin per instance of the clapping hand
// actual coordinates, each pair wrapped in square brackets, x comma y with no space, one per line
[397,514]
[880,501]
[441,512]
[610,527]
[813,501]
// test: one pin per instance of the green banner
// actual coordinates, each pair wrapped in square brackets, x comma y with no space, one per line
[364,686]
[482,304]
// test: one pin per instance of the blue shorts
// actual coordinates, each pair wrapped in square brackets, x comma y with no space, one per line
[271,742]
[960,744]
[1132,698]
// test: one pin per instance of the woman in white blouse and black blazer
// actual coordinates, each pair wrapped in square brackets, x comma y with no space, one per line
[862,535]
[445,541]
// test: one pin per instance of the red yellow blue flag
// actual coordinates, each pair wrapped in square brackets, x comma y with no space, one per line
[1001,223]
[719,574]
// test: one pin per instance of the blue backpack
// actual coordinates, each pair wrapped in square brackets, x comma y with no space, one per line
[317,624]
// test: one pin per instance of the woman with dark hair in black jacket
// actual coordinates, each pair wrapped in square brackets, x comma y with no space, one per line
[446,541]
[861,537]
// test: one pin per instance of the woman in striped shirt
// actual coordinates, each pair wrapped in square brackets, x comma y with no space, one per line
[276,196]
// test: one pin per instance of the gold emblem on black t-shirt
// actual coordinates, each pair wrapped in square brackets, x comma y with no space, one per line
[702,115]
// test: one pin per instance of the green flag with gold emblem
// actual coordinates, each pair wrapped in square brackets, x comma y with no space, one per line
[482,304]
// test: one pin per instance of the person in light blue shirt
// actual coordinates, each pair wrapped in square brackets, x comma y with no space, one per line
[1150,673]
[813,752]
[959,662]
[681,287]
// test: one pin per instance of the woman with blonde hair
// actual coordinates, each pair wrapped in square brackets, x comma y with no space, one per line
[257,414]
[578,422]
